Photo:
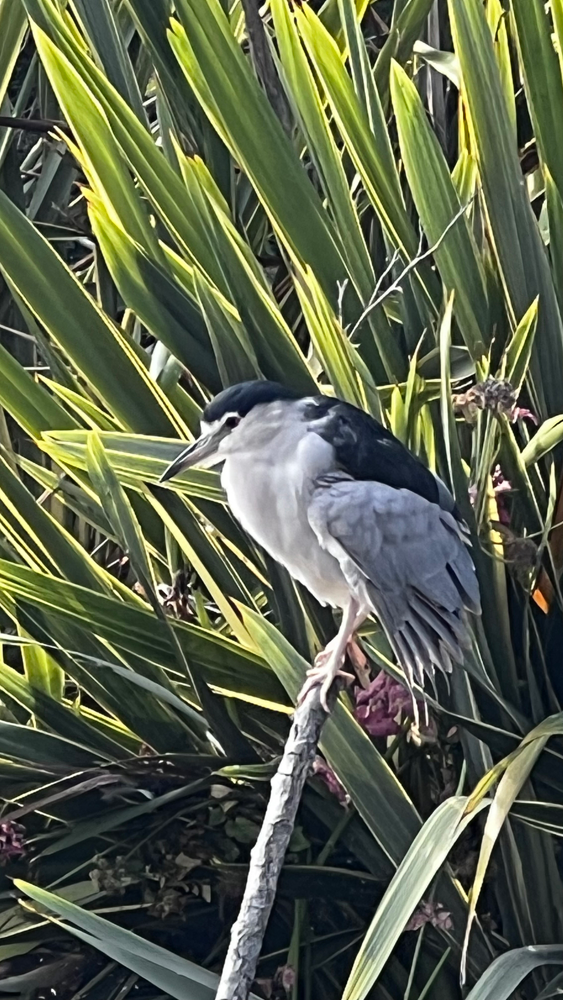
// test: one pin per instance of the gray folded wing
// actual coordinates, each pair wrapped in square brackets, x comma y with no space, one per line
[408,557]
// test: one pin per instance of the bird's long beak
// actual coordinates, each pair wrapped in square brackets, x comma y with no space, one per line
[203,452]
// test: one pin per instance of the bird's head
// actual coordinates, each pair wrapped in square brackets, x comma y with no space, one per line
[221,417]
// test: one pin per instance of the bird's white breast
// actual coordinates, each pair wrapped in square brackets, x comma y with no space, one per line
[268,486]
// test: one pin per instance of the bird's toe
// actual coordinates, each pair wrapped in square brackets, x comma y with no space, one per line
[324,656]
[324,678]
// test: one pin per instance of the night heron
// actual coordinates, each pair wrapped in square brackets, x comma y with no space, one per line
[351,513]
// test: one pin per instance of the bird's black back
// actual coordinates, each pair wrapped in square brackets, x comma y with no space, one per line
[365,450]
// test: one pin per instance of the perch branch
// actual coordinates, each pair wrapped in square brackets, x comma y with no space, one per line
[268,854]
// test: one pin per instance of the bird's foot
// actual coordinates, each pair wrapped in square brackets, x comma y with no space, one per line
[327,668]
[355,654]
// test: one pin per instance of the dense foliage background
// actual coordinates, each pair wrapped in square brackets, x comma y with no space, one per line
[353,198]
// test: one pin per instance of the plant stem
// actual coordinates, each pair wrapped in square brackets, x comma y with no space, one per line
[335,835]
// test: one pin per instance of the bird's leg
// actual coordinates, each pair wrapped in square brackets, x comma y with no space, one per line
[357,657]
[354,652]
[328,663]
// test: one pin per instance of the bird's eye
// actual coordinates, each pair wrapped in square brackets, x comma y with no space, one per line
[232,421]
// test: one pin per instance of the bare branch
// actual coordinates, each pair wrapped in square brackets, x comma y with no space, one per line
[269,851]
[34,124]
[376,299]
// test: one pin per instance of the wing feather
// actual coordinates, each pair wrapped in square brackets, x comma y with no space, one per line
[410,559]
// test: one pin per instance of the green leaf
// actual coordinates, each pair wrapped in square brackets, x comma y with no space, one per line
[135,630]
[517,242]
[519,350]
[165,694]
[504,975]
[368,145]
[42,748]
[53,715]
[516,770]
[302,89]
[70,494]
[458,478]
[177,976]
[13,24]
[234,356]
[126,526]
[203,230]
[182,525]
[99,350]
[27,401]
[339,358]
[103,30]
[424,859]
[443,62]
[101,156]
[544,84]
[554,204]
[544,440]
[43,672]
[438,205]
[96,826]
[360,68]
[267,333]
[159,302]
[119,512]
[136,459]
[160,181]
[408,23]
[218,72]
[39,538]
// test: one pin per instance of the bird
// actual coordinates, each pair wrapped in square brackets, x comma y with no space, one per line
[352,514]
